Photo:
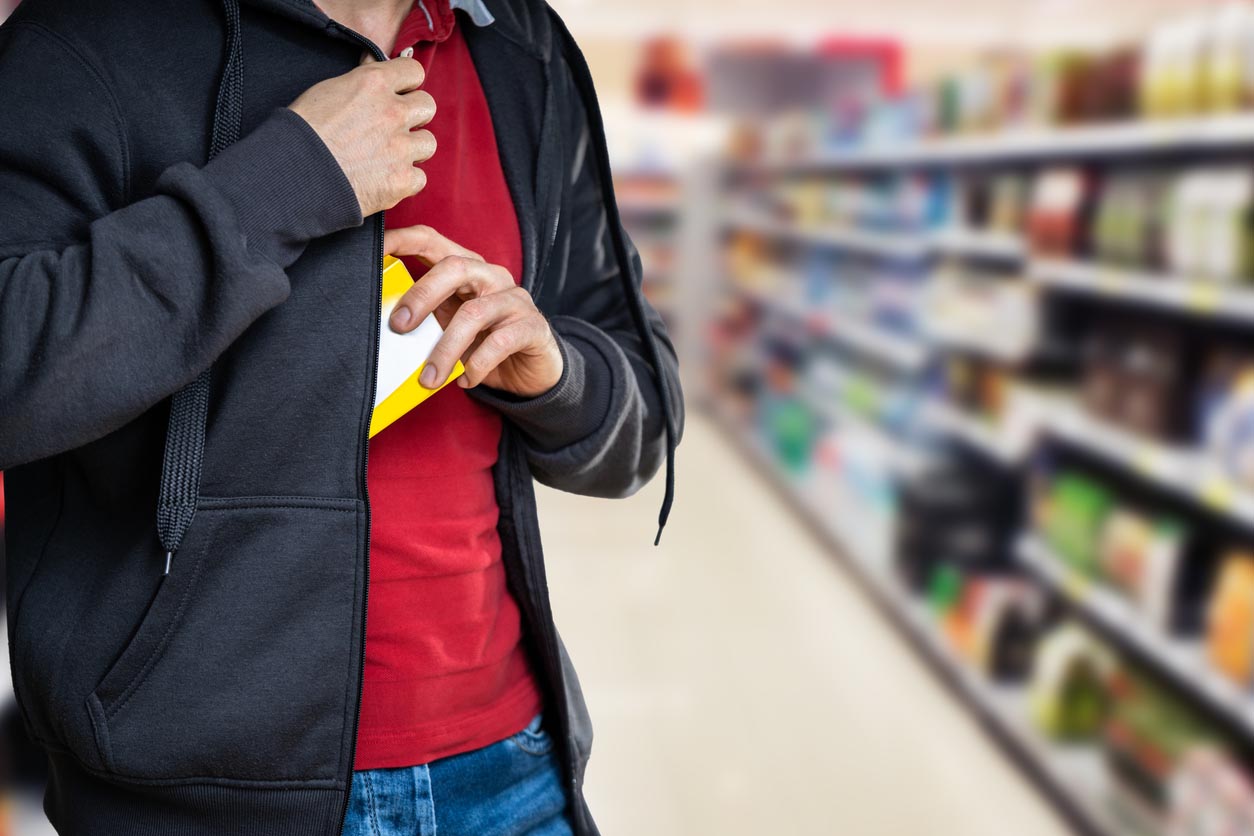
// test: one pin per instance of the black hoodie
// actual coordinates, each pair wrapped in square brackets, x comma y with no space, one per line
[223,697]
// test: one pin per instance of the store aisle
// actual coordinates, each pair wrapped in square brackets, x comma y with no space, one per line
[740,683]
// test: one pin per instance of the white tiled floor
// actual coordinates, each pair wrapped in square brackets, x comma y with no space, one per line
[740,685]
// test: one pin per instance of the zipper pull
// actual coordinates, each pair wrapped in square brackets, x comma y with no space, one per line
[168,557]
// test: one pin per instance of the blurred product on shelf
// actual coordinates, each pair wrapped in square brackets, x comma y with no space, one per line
[667,77]
[1136,375]
[1210,793]
[1230,619]
[1194,65]
[959,513]
[1068,685]
[1147,738]
[1060,217]
[1225,412]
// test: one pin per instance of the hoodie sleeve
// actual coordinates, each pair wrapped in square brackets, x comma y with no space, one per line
[601,429]
[107,304]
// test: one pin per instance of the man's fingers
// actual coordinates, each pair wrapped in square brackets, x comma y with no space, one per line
[422,107]
[472,318]
[499,346]
[425,243]
[403,74]
[454,276]
[424,145]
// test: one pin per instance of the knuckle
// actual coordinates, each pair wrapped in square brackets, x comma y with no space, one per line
[394,113]
[417,180]
[474,310]
[503,340]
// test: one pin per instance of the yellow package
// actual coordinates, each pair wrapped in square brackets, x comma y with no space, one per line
[402,357]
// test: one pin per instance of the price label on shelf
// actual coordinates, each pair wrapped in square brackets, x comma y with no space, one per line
[1111,281]
[1202,296]
[1218,493]
[1076,587]
[1148,461]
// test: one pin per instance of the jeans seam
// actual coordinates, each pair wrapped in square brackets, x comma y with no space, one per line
[374,812]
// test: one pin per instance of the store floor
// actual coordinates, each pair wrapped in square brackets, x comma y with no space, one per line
[740,684]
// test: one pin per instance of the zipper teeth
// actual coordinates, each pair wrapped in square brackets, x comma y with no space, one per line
[365,461]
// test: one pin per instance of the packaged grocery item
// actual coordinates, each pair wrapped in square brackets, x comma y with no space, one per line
[1010,617]
[1225,83]
[956,510]
[1074,513]
[1226,414]
[1149,733]
[1067,694]
[1130,222]
[1153,382]
[1210,793]
[1230,618]
[1063,202]
[1227,243]
[1102,378]
[1142,556]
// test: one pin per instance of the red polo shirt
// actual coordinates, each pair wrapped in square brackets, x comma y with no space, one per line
[446,671]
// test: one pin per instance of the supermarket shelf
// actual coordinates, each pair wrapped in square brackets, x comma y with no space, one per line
[975,432]
[986,344]
[1003,246]
[1103,140]
[1071,776]
[1180,661]
[1179,471]
[1199,298]
[903,353]
[899,245]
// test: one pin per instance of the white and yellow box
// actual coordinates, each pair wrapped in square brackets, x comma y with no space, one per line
[402,356]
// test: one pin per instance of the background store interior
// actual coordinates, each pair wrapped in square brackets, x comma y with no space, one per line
[964,541]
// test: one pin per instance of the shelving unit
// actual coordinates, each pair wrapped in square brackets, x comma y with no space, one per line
[901,245]
[1184,473]
[1135,138]
[996,320]
[1195,297]
[1001,246]
[975,432]
[906,354]
[1072,775]
[1179,661]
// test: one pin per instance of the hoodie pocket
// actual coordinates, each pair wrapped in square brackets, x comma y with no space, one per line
[243,665]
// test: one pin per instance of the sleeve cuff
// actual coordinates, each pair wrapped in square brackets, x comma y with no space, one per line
[286,186]
[578,404]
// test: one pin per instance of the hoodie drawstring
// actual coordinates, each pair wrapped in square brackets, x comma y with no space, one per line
[189,407]
[635,295]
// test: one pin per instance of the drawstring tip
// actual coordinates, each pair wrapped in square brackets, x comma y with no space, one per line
[168,557]
[658,539]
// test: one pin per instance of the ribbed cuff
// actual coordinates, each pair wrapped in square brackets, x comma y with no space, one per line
[577,405]
[286,186]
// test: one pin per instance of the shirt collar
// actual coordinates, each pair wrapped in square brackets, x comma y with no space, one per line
[432,21]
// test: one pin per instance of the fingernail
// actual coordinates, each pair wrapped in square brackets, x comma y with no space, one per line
[429,376]
[400,317]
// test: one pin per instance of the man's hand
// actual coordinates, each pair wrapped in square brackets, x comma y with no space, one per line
[489,322]
[366,118]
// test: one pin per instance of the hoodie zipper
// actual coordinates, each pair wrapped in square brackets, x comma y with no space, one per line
[365,457]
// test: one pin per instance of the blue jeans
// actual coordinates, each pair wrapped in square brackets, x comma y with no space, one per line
[511,788]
